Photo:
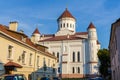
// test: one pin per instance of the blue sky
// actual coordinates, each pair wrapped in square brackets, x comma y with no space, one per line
[44,13]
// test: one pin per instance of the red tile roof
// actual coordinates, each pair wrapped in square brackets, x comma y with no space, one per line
[19,36]
[81,33]
[65,37]
[36,31]
[47,35]
[65,14]
[12,64]
[91,25]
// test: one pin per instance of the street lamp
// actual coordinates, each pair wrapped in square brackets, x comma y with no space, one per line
[44,67]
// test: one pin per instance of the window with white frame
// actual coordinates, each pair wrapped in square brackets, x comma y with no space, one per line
[73,56]
[78,69]
[10,51]
[73,70]
[23,57]
[30,59]
[64,25]
[58,56]
[61,25]
[78,54]
[67,25]
[38,61]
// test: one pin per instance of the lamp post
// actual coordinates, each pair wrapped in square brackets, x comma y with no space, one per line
[44,67]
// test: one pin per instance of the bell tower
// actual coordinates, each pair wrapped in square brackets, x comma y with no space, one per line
[92,50]
[66,23]
[35,36]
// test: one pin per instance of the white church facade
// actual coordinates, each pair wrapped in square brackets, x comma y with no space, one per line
[76,51]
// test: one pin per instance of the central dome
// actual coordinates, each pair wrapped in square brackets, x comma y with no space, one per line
[66,14]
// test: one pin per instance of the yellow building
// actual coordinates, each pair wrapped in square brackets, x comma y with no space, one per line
[18,55]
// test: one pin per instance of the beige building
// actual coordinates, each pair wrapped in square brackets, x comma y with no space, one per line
[18,55]
[114,47]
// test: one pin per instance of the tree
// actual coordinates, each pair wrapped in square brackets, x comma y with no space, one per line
[104,58]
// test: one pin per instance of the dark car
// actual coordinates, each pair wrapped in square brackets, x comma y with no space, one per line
[96,78]
[56,78]
[45,78]
[14,77]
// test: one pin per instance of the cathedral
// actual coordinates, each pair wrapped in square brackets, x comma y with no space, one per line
[76,51]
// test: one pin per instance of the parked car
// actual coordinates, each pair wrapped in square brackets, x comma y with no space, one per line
[45,78]
[96,78]
[13,77]
[56,78]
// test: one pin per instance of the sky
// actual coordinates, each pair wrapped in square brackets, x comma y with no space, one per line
[43,14]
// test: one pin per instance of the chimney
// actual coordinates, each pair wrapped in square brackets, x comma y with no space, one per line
[13,26]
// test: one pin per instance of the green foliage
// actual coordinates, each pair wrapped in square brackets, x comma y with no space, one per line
[104,58]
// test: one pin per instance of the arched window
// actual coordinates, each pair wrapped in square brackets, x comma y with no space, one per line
[73,56]
[61,25]
[78,55]
[67,24]
[78,69]
[58,56]
[73,70]
[70,25]
[64,25]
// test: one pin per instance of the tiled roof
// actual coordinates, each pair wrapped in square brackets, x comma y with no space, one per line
[81,33]
[47,35]
[91,25]
[65,14]
[12,64]
[16,35]
[20,36]
[36,31]
[65,37]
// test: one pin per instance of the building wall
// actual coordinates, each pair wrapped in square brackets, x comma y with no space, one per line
[29,66]
[115,52]
[66,49]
